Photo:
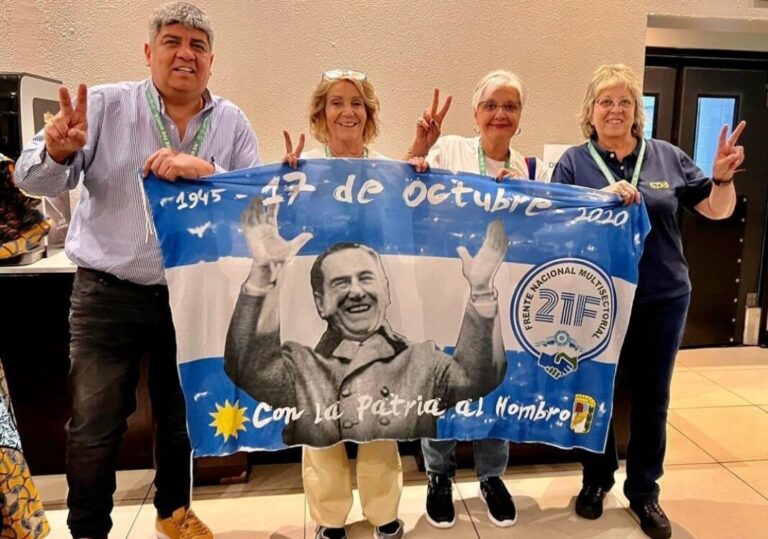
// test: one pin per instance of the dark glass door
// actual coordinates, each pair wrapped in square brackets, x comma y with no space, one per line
[692,102]
[725,257]
[659,101]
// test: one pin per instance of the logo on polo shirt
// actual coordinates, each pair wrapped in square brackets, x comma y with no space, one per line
[659,185]
[563,312]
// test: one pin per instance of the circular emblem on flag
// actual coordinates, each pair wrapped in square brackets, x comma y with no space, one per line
[563,313]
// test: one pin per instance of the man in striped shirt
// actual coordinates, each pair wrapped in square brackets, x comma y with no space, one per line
[110,137]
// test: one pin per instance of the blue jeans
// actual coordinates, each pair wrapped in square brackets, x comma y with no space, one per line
[646,363]
[113,323]
[491,457]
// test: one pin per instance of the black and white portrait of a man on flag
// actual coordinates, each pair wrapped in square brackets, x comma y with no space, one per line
[362,380]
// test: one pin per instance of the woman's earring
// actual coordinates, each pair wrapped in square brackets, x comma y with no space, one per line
[519,130]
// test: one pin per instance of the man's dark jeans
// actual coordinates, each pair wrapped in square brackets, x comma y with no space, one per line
[113,324]
[646,364]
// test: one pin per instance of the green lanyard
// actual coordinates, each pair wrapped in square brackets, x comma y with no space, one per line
[481,160]
[329,154]
[199,136]
[607,172]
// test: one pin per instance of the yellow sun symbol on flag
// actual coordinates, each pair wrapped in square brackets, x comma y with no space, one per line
[228,419]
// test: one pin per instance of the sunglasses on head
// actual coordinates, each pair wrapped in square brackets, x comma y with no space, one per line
[336,74]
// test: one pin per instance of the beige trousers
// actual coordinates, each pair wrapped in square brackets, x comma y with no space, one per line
[328,482]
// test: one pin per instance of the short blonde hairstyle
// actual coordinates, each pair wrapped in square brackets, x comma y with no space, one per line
[494,79]
[317,123]
[608,76]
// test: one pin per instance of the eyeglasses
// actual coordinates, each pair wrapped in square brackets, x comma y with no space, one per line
[336,74]
[510,107]
[609,103]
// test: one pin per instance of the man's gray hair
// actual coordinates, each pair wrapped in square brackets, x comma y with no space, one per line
[180,13]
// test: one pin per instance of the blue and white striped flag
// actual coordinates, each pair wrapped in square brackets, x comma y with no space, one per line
[562,299]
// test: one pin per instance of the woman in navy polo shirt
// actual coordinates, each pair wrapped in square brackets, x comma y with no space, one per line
[617,159]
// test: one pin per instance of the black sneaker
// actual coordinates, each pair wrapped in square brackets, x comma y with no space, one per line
[501,508]
[440,510]
[653,520]
[392,530]
[324,532]
[589,502]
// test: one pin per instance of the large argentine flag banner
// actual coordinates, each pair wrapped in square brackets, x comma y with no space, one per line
[357,299]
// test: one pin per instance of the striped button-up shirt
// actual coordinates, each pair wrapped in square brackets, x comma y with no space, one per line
[109,229]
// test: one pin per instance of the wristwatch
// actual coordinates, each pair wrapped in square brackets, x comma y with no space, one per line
[491,295]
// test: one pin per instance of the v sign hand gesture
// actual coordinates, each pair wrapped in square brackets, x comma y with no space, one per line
[67,132]
[729,155]
[291,155]
[428,126]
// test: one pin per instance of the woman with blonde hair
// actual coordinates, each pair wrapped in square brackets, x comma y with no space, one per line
[616,158]
[344,118]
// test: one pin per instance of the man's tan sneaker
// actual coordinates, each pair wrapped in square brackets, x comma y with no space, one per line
[182,524]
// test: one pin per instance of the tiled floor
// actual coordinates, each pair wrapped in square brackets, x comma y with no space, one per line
[715,485]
